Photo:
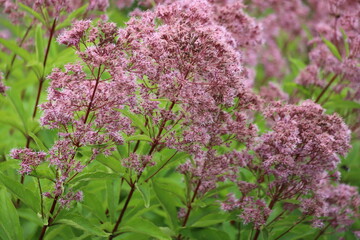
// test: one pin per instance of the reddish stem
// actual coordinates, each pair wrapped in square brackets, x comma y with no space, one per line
[326,88]
[289,229]
[167,161]
[50,219]
[189,207]
[93,95]
[42,78]
[7,74]
[271,205]
[322,232]
[132,190]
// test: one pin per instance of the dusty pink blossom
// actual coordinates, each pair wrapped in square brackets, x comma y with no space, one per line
[335,204]
[138,162]
[252,211]
[3,88]
[304,142]
[29,159]
[273,92]
[66,200]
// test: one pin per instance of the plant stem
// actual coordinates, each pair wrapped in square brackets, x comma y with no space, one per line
[289,229]
[163,122]
[41,198]
[42,78]
[7,74]
[276,218]
[157,171]
[41,83]
[326,88]
[238,235]
[22,179]
[50,219]
[132,190]
[189,208]
[93,95]
[122,212]
[271,205]
[322,232]
[52,31]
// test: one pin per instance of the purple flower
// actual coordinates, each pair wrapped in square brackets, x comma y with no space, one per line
[336,204]
[29,159]
[252,211]
[73,36]
[304,142]
[70,197]
[138,162]
[3,88]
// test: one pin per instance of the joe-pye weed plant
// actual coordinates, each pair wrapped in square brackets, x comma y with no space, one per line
[158,129]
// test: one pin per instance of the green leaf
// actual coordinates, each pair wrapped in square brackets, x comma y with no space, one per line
[36,66]
[73,15]
[96,176]
[265,234]
[66,55]
[161,100]
[165,159]
[12,46]
[209,220]
[136,120]
[166,200]
[111,199]
[138,138]
[342,104]
[56,232]
[32,12]
[144,226]
[10,163]
[144,190]
[332,48]
[25,195]
[110,162]
[217,190]
[29,215]
[123,150]
[346,42]
[205,234]
[94,205]
[82,223]
[38,142]
[19,108]
[10,228]
[44,171]
[298,63]
[307,31]
[10,119]
[40,45]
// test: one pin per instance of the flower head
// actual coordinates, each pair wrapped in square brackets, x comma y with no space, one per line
[29,159]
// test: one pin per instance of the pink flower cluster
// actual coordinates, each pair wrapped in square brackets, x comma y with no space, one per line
[336,204]
[182,69]
[302,148]
[304,142]
[335,21]
[29,159]
[252,211]
[138,162]
[84,104]
[54,8]
[3,88]
[193,57]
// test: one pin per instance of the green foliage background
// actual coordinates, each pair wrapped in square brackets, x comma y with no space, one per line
[153,210]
